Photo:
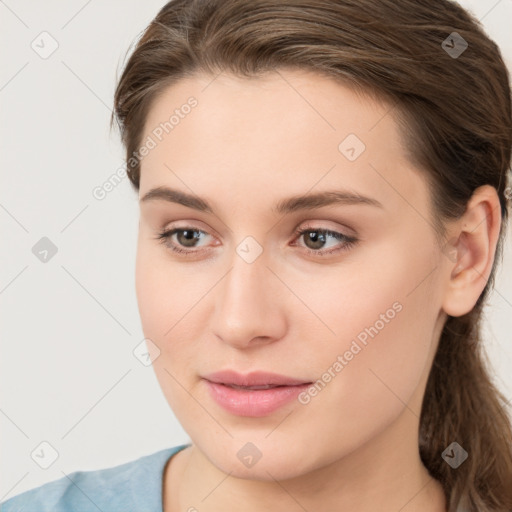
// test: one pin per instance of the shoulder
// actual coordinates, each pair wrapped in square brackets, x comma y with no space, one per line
[134,485]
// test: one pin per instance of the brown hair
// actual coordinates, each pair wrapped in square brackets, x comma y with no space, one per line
[455,114]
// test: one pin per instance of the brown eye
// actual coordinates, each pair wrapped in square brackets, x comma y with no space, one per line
[186,239]
[316,238]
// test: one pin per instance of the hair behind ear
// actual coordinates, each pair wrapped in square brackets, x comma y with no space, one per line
[462,405]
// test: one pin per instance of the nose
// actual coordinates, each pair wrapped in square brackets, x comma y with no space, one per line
[249,308]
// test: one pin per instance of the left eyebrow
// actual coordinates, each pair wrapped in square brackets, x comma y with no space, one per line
[319,199]
[285,206]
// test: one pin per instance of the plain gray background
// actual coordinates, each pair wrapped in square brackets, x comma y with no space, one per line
[69,325]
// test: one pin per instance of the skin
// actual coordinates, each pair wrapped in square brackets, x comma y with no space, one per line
[248,144]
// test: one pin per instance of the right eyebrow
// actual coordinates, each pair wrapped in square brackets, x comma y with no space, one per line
[175,196]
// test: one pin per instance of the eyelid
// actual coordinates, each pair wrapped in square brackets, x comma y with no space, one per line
[319,225]
[191,224]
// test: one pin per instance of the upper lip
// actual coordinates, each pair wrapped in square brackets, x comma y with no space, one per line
[257,378]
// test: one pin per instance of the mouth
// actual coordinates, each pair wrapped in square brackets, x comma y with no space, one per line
[256,394]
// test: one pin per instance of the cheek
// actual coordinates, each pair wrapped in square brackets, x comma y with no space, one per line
[163,302]
[378,318]
[169,297]
[165,291]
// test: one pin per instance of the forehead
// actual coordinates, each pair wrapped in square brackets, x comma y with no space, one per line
[286,94]
[286,108]
[282,132]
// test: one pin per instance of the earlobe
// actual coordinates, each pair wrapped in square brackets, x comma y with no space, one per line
[474,247]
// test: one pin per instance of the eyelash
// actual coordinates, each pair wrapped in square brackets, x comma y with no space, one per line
[349,241]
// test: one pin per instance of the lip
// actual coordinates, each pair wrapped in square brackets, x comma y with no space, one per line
[257,378]
[269,392]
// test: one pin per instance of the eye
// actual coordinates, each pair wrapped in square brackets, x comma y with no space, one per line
[186,237]
[316,238]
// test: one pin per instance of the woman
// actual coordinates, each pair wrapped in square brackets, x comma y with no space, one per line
[323,196]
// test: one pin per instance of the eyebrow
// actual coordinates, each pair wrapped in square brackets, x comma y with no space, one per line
[285,206]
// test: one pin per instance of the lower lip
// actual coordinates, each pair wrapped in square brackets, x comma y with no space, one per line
[254,403]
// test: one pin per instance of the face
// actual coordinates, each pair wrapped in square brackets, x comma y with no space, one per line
[341,293]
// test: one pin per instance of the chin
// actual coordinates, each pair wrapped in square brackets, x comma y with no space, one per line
[262,460]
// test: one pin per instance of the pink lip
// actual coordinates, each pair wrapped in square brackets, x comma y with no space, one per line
[253,402]
[252,379]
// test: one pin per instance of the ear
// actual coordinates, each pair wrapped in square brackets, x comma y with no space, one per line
[471,250]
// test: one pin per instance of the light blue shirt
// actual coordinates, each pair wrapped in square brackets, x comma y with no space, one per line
[134,486]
